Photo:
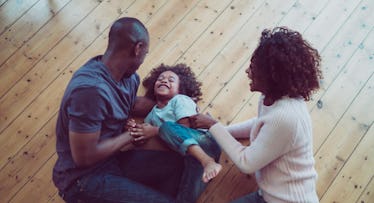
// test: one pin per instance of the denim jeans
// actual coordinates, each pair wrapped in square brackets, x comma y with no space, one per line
[179,138]
[253,197]
[114,183]
[145,176]
[174,135]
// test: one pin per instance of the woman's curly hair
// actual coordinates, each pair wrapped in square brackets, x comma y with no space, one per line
[188,84]
[288,64]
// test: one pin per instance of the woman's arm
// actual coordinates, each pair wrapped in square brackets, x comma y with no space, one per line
[241,130]
[271,142]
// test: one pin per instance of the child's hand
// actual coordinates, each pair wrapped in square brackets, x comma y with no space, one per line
[142,132]
[130,124]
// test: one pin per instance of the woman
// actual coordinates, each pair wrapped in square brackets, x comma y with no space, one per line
[285,69]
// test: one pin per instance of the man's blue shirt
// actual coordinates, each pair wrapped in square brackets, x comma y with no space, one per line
[93,101]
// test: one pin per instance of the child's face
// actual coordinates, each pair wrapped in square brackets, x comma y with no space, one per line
[167,85]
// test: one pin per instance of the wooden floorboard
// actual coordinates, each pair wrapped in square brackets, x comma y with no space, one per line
[43,42]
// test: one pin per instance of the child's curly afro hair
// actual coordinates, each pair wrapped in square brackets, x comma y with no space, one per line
[188,84]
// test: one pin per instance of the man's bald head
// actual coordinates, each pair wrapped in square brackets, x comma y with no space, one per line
[126,32]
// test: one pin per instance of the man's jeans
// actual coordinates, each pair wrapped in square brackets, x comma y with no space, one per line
[144,176]
[131,181]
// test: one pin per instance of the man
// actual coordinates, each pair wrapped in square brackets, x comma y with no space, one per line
[93,112]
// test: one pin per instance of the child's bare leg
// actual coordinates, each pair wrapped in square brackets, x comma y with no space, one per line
[211,168]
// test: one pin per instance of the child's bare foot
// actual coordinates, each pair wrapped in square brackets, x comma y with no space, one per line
[211,170]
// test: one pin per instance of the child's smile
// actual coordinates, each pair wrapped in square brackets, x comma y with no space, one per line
[166,85]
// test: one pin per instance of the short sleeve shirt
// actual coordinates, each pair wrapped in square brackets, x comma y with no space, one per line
[93,101]
[180,106]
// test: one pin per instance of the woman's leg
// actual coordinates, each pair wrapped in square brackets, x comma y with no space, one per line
[253,197]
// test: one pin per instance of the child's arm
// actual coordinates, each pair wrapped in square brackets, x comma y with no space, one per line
[184,108]
[144,131]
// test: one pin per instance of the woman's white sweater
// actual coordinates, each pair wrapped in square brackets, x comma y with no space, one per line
[280,153]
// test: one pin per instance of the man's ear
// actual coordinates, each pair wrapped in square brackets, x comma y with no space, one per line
[138,48]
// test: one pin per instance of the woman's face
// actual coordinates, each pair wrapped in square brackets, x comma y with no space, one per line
[167,85]
[257,82]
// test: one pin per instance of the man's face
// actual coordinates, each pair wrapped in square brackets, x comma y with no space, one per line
[141,51]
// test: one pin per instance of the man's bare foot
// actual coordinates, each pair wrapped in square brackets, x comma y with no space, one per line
[211,170]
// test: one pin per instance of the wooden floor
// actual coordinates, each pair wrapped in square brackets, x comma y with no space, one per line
[42,42]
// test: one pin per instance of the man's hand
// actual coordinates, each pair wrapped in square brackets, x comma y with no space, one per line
[202,121]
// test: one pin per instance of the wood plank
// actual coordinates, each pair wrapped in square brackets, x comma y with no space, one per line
[249,110]
[347,125]
[28,161]
[30,23]
[235,185]
[220,84]
[298,18]
[325,25]
[238,89]
[37,146]
[229,184]
[350,183]
[12,10]
[215,183]
[344,43]
[41,76]
[165,20]
[367,195]
[302,15]
[38,189]
[331,65]
[238,43]
[184,34]
[242,81]
[222,31]
[334,58]
[55,199]
[157,28]
[336,28]
[41,44]
[325,118]
[2,2]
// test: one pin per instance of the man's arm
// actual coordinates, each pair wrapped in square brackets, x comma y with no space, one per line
[142,107]
[87,149]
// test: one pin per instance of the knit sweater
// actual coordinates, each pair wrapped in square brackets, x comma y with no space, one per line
[280,153]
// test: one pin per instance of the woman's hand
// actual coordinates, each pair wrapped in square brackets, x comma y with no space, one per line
[202,121]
